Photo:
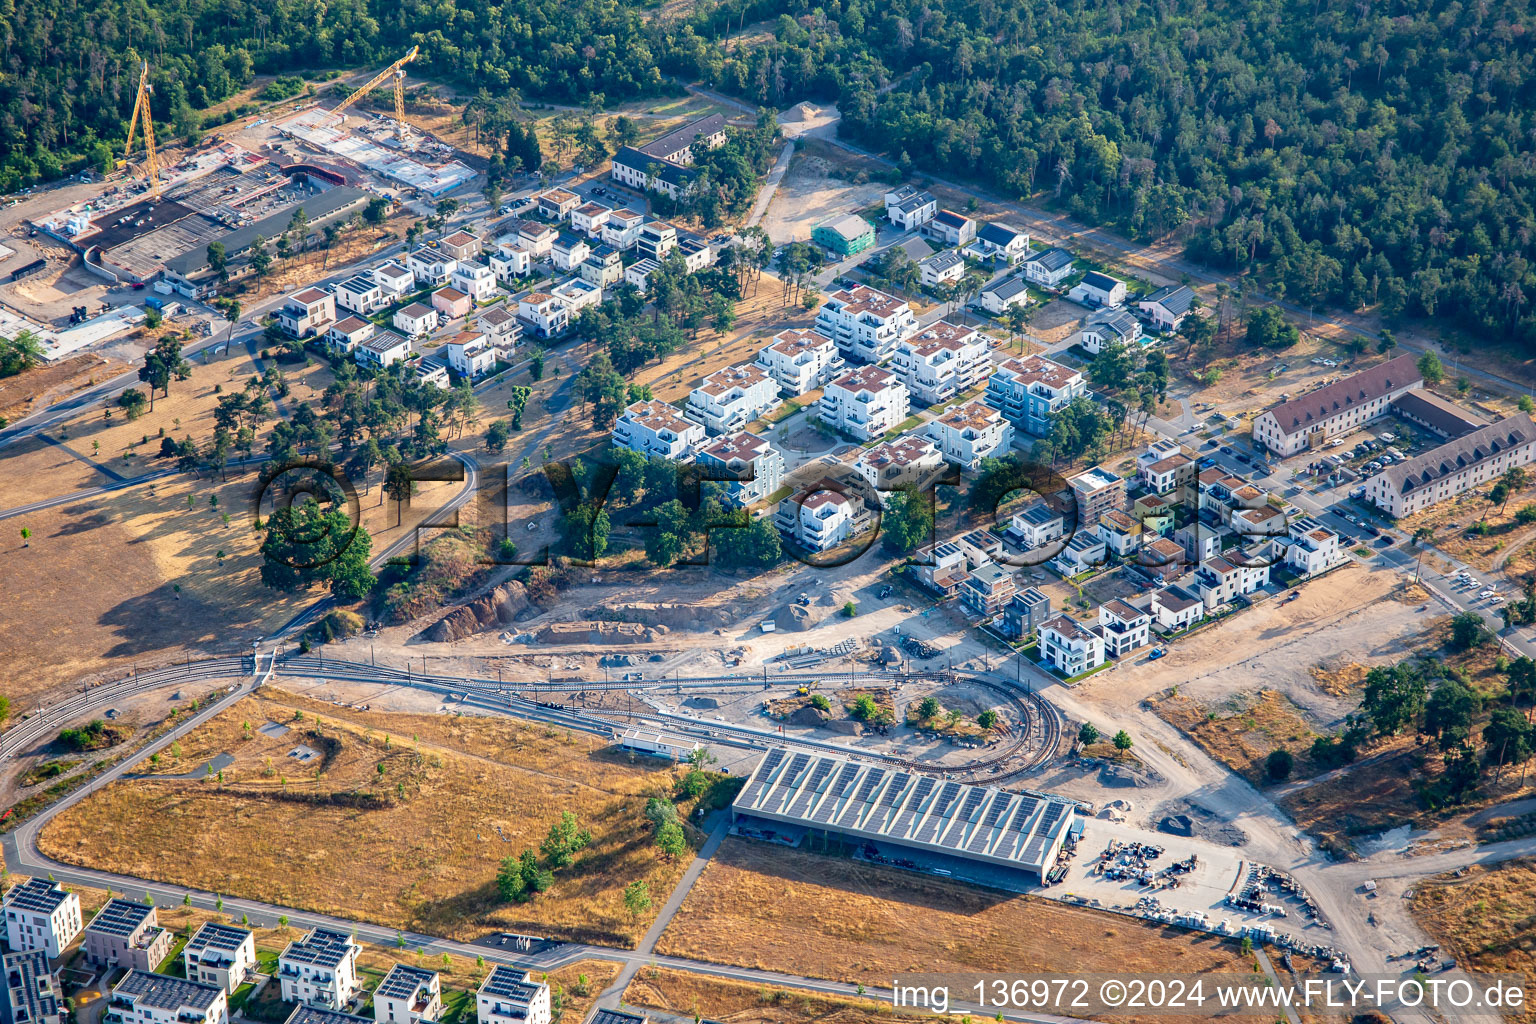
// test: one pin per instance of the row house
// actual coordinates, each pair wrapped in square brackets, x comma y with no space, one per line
[941,361]
[1030,391]
[654,428]
[727,400]
[750,467]
[800,360]
[969,433]
[681,146]
[865,323]
[865,403]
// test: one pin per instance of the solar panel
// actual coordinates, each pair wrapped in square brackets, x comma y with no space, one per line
[1014,832]
[888,799]
[836,792]
[120,918]
[983,835]
[402,981]
[809,790]
[860,803]
[929,829]
[754,790]
[904,819]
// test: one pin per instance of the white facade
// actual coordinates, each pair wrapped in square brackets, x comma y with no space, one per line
[383,350]
[865,403]
[590,218]
[909,460]
[475,279]
[547,315]
[471,355]
[1176,608]
[656,428]
[393,279]
[143,997]
[800,360]
[577,294]
[1005,294]
[1455,467]
[346,335]
[941,361]
[307,313]
[622,229]
[748,467]
[941,268]
[408,995]
[511,996]
[1220,581]
[1049,268]
[1096,289]
[866,323]
[538,239]
[1124,627]
[568,252]
[1345,405]
[220,954]
[39,914]
[510,263]
[1311,547]
[817,522]
[1069,647]
[430,267]
[639,273]
[320,969]
[727,400]
[910,208]
[416,320]
[969,433]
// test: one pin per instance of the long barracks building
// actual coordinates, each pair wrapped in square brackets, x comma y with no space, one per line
[884,807]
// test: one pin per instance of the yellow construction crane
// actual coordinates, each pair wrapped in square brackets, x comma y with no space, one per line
[397,69]
[151,168]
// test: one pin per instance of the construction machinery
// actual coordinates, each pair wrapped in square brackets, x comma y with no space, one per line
[141,103]
[395,70]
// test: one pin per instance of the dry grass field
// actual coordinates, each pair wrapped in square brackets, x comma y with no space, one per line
[1243,730]
[430,806]
[777,909]
[1486,919]
[735,1002]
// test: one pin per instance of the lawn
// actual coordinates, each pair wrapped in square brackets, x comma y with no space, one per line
[430,806]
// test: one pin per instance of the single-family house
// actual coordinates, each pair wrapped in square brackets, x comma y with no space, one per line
[470,355]
[577,294]
[1025,612]
[568,251]
[451,303]
[1167,307]
[1098,290]
[1120,532]
[942,267]
[987,589]
[1049,268]
[909,207]
[657,238]
[1004,294]
[1176,608]
[475,279]
[589,219]
[951,228]
[1124,627]
[383,350]
[1069,647]
[509,995]
[408,995]
[39,914]
[510,263]
[307,313]
[638,274]
[430,267]
[545,315]
[220,954]
[603,267]
[416,320]
[394,279]
[346,335]
[1109,328]
[143,997]
[623,228]
[1001,242]
[461,245]
[557,203]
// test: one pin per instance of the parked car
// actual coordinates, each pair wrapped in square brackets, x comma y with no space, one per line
[1157,652]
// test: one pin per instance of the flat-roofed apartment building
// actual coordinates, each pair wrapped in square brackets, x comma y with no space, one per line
[1097,491]
[307,313]
[865,403]
[948,823]
[728,399]
[1030,391]
[1337,408]
[125,933]
[655,428]
[32,994]
[511,996]
[800,360]
[220,954]
[320,1015]
[866,324]
[143,997]
[408,995]
[1453,468]
[39,914]
[319,969]
[941,361]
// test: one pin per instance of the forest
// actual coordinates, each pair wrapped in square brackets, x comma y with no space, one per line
[1348,154]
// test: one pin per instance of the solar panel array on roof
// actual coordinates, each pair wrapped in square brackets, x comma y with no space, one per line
[320,947]
[213,935]
[119,917]
[873,804]
[38,895]
[506,981]
[403,980]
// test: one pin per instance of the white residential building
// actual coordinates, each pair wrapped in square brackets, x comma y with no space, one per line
[430,267]
[623,228]
[1108,328]
[1167,307]
[143,997]
[475,279]
[1124,627]
[750,468]
[951,228]
[470,355]
[866,323]
[800,360]
[568,252]
[1345,405]
[461,245]
[545,315]
[510,263]
[499,324]
[511,996]
[393,279]
[434,371]
[346,335]
[1455,467]
[1220,581]
[727,400]
[1310,547]
[1176,608]
[655,428]
[1049,268]
[416,320]
[1000,242]
[697,253]
[1036,526]
[865,403]
[1005,293]
[1069,647]
[408,995]
[536,237]
[577,294]
[39,914]
[557,203]
[909,208]
[383,350]
[941,361]
[969,433]
[319,969]
[590,219]
[657,238]
[909,461]
[604,267]
[1098,290]
[307,313]
[639,274]
[941,268]
[817,520]
[220,954]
